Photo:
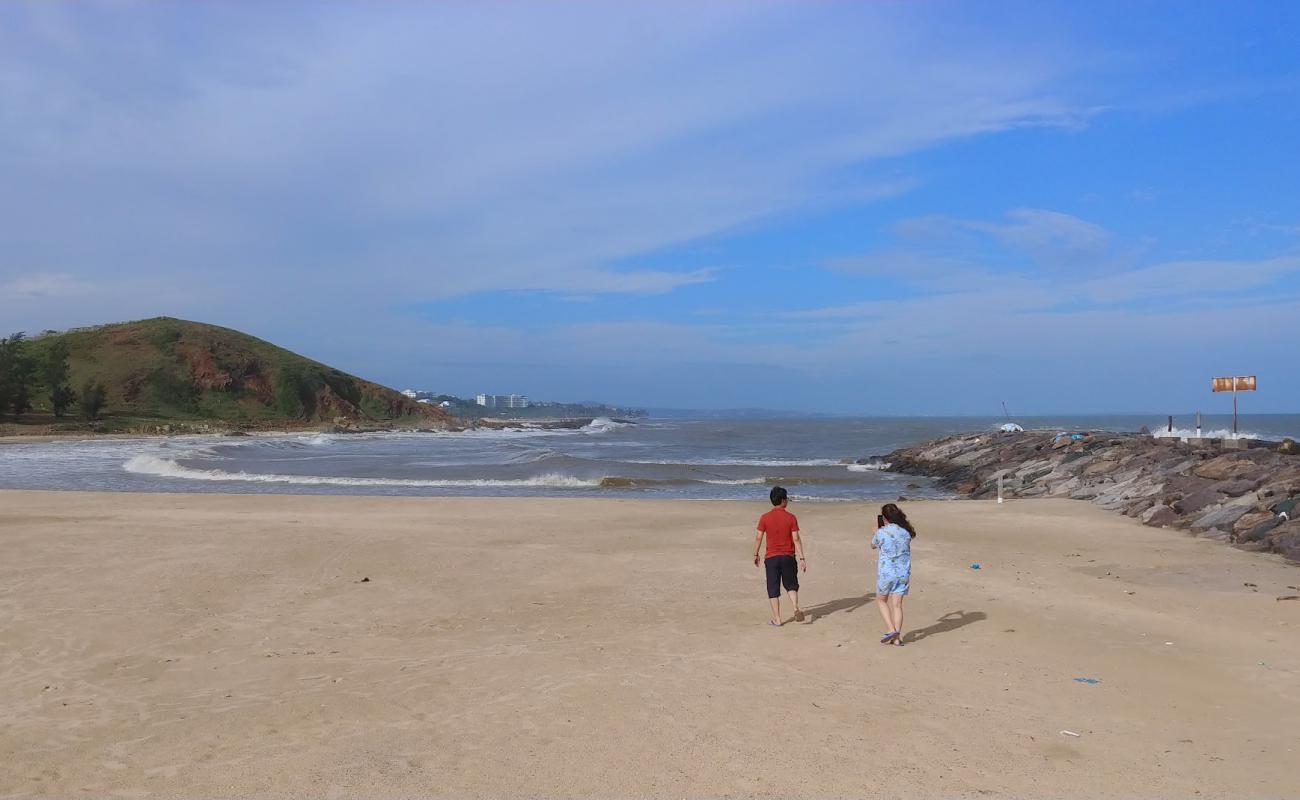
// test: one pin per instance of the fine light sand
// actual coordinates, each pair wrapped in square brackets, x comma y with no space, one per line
[201,645]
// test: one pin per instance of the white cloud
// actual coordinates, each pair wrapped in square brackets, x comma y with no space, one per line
[451,149]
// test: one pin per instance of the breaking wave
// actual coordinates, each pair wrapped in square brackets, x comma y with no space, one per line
[740,462]
[602,425]
[1190,433]
[167,468]
[874,466]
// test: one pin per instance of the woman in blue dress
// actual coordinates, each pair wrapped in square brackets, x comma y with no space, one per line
[893,541]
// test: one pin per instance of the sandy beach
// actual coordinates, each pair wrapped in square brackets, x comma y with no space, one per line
[201,645]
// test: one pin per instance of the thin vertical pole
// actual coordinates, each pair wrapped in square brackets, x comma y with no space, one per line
[1234,407]
[999,490]
[1171,423]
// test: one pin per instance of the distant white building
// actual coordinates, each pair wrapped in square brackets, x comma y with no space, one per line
[502,400]
[409,393]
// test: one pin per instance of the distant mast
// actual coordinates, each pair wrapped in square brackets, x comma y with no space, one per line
[1009,426]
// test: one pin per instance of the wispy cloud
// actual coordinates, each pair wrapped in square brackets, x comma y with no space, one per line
[275,165]
[455,149]
[1050,238]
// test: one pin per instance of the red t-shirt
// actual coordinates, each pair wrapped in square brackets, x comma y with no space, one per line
[780,526]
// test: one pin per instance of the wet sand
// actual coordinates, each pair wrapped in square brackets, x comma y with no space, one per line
[200,645]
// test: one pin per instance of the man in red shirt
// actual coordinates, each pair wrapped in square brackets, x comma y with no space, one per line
[783,544]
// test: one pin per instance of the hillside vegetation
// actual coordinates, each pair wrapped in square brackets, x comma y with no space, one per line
[171,370]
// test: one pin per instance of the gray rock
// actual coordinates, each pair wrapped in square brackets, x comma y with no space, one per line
[1086,492]
[1198,500]
[1225,467]
[1259,530]
[1286,540]
[1135,508]
[1234,488]
[1159,516]
[1220,518]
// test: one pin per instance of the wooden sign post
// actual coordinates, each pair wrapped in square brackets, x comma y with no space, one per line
[1240,383]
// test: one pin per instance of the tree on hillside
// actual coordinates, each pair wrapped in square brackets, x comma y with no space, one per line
[92,399]
[16,370]
[54,374]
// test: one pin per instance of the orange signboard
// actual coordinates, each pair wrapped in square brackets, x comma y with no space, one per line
[1241,383]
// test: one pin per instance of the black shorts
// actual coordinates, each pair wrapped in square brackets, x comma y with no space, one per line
[781,570]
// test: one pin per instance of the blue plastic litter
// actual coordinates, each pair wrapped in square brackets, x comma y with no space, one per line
[1089,681]
[976,565]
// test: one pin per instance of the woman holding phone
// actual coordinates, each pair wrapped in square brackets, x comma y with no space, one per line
[893,542]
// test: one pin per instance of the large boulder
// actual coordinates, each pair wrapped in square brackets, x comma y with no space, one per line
[1252,518]
[1224,517]
[1159,516]
[1100,467]
[1286,540]
[1136,507]
[1224,467]
[1257,532]
[1086,492]
[1234,488]
[1198,500]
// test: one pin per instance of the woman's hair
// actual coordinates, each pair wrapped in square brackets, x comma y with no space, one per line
[894,514]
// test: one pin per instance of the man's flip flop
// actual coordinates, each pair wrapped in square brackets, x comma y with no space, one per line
[774,624]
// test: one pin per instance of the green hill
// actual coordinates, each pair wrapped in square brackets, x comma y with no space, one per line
[171,370]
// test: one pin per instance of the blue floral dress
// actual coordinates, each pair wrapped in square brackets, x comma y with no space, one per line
[894,568]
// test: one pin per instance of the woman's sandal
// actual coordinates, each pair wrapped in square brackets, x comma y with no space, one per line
[898,640]
[888,638]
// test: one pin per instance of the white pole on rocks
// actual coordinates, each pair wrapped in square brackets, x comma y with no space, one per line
[1198,424]
[999,490]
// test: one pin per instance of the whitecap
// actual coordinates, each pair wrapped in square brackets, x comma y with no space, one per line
[1186,433]
[167,468]
[602,425]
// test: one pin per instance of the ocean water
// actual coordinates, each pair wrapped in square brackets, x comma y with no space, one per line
[678,458]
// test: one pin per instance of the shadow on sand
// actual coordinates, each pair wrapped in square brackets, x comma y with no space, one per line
[845,604]
[948,622]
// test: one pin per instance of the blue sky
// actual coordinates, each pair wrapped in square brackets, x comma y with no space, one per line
[860,208]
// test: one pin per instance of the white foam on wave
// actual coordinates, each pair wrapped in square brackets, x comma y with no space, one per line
[875,466]
[1186,433]
[167,468]
[740,462]
[602,425]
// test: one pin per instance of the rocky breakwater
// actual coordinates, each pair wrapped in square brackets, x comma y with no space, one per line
[1242,492]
